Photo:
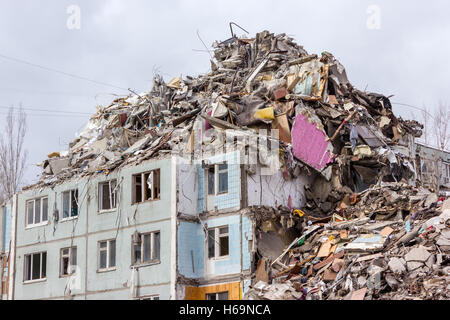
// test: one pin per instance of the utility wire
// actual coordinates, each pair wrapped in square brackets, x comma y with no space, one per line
[60,72]
[47,115]
[52,93]
[414,107]
[44,110]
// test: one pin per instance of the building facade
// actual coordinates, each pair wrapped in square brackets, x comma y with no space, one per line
[108,236]
[433,168]
[218,217]
[162,229]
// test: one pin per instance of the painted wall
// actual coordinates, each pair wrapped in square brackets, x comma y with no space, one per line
[5,227]
[231,199]
[92,226]
[199,293]
[188,188]
[192,238]
[431,157]
[273,190]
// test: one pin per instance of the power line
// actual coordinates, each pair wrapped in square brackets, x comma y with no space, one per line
[48,92]
[47,115]
[45,110]
[60,72]
[414,107]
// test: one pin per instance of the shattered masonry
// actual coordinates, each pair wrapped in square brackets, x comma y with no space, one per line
[344,217]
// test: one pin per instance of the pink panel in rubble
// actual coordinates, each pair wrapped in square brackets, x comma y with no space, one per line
[309,143]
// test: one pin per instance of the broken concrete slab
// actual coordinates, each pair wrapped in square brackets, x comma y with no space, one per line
[417,254]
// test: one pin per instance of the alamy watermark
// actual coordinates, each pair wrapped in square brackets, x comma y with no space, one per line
[251,148]
[373,21]
[74,19]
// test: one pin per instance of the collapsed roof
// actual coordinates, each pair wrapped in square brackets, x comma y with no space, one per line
[255,83]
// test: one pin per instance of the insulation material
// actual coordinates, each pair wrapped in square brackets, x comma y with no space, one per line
[310,143]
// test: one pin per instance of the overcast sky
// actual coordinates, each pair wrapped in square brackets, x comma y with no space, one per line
[396,48]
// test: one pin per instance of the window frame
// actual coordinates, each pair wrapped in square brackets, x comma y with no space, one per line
[41,209]
[70,270]
[150,297]
[217,248]
[217,172]
[216,294]
[152,260]
[156,184]
[112,196]
[108,255]
[25,268]
[70,217]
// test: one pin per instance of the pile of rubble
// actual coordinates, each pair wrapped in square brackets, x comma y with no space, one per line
[367,257]
[367,229]
[268,82]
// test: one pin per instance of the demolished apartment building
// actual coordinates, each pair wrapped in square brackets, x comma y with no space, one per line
[433,168]
[150,202]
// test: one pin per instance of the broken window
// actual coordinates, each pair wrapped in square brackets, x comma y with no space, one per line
[107,195]
[70,204]
[68,261]
[217,179]
[106,255]
[37,211]
[218,242]
[146,186]
[146,248]
[217,296]
[35,266]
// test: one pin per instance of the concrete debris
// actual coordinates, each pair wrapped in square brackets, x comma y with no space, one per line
[350,237]
[370,256]
[255,83]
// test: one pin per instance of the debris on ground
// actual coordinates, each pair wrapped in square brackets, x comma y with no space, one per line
[367,229]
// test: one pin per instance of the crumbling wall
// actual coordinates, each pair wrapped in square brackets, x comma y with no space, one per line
[274,190]
[192,247]
[231,199]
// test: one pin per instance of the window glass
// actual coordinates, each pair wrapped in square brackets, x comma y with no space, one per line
[223,178]
[137,253]
[138,188]
[156,244]
[223,230]
[45,209]
[222,295]
[30,210]
[66,204]
[44,265]
[73,257]
[112,253]
[37,211]
[28,267]
[147,248]
[36,266]
[102,259]
[105,196]
[223,246]
[211,243]
[211,181]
